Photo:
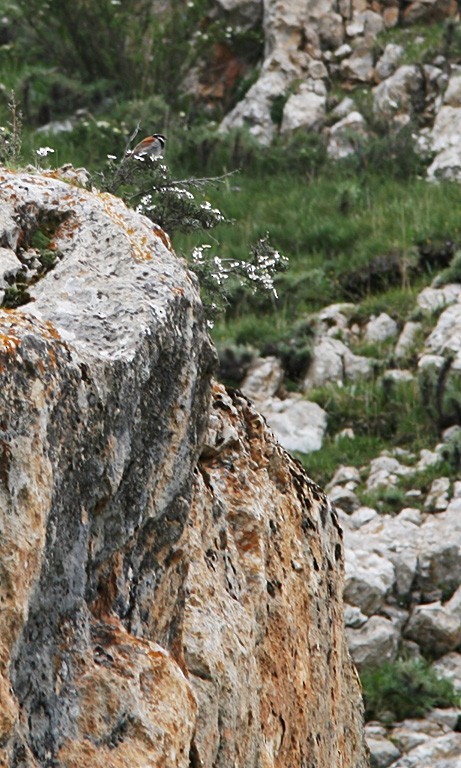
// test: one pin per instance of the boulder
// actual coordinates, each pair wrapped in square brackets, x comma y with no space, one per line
[374,643]
[406,341]
[385,470]
[439,368]
[442,752]
[452,95]
[171,594]
[446,143]
[388,61]
[346,135]
[382,752]
[436,627]
[344,498]
[263,379]
[304,109]
[359,65]
[437,498]
[369,580]
[434,299]
[449,667]
[439,551]
[333,362]
[401,94]
[380,328]
[9,266]
[299,424]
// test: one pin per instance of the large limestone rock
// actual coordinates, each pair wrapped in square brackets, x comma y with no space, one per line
[288,57]
[156,609]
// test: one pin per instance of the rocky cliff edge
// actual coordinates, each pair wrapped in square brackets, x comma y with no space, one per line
[170,580]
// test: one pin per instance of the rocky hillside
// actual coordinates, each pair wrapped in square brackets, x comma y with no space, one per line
[171,580]
[345,69]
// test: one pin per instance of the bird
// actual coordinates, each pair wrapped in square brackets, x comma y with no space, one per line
[151,146]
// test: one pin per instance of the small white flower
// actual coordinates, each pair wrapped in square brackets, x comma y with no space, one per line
[44,151]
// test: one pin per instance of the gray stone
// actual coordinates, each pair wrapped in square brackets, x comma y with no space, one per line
[362,516]
[359,65]
[441,752]
[387,63]
[344,475]
[346,105]
[369,578]
[298,424]
[344,498]
[263,379]
[449,667]
[446,142]
[380,328]
[452,95]
[439,545]
[9,266]
[406,341]
[332,361]
[385,470]
[400,94]
[437,498]
[346,135]
[373,643]
[353,616]
[382,752]
[436,627]
[304,109]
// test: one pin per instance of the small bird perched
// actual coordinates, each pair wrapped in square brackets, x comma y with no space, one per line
[151,146]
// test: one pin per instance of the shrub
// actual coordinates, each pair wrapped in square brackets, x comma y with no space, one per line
[404,688]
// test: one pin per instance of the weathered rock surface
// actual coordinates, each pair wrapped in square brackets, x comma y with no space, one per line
[156,610]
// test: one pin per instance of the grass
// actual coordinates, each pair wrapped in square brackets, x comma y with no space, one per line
[404,688]
[330,252]
[421,42]
[356,452]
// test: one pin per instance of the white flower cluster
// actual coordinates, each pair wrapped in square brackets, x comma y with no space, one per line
[145,205]
[216,213]
[260,270]
[178,191]
[44,151]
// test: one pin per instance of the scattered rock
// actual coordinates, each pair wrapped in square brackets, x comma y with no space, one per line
[374,643]
[406,341]
[359,65]
[369,579]
[299,424]
[9,266]
[387,63]
[346,135]
[380,328]
[332,361]
[263,379]
[401,94]
[304,109]
[437,498]
[436,627]
[382,752]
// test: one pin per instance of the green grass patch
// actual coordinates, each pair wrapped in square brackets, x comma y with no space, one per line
[373,409]
[404,688]
[356,452]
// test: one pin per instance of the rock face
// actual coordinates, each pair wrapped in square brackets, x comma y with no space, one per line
[157,609]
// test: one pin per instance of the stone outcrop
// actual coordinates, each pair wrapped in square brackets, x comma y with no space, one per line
[170,580]
[311,45]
